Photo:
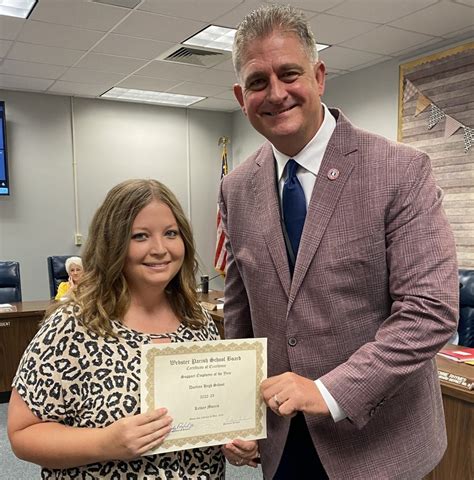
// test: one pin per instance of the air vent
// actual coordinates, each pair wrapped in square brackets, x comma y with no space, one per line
[195,56]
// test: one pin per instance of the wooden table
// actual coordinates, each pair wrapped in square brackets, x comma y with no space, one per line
[16,331]
[458,461]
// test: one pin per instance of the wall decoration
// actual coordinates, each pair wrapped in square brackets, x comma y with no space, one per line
[436,115]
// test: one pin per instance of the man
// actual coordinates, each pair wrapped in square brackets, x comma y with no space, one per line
[356,305]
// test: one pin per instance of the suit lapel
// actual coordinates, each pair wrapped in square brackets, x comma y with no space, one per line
[266,194]
[324,199]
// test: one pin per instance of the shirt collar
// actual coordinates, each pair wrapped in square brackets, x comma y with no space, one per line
[311,156]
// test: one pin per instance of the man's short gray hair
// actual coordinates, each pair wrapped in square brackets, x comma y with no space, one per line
[267,19]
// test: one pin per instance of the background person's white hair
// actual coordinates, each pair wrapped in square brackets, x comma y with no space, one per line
[73,261]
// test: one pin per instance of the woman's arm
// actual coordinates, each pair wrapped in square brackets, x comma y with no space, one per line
[54,445]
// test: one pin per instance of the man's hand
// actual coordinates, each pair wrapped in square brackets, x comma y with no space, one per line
[242,452]
[288,393]
[130,437]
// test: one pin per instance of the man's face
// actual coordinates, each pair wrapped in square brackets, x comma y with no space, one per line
[280,90]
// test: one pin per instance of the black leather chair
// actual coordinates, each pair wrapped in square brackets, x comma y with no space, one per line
[466,308]
[56,272]
[10,282]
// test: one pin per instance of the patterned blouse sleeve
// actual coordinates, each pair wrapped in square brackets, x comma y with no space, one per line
[38,378]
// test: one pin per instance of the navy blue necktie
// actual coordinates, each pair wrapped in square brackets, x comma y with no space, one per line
[294,206]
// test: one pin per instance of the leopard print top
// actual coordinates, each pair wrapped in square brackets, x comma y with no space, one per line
[75,377]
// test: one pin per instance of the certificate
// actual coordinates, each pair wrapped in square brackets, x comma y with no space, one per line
[211,390]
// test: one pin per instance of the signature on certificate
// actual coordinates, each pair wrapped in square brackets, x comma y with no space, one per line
[182,426]
[232,421]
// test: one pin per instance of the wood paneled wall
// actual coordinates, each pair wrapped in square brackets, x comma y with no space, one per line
[447,79]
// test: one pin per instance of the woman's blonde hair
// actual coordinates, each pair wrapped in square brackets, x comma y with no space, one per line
[103,292]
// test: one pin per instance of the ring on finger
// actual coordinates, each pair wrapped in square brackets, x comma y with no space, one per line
[239,462]
[275,399]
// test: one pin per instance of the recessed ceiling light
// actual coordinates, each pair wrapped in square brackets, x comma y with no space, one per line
[150,96]
[218,38]
[17,8]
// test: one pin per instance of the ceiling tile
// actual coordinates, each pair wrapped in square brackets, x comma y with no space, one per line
[170,71]
[58,35]
[43,54]
[386,40]
[198,89]
[345,58]
[24,83]
[10,27]
[235,16]
[227,65]
[77,89]
[420,47]
[370,63]
[216,104]
[312,5]
[4,47]
[82,75]
[158,27]
[439,19]
[83,14]
[132,47]
[463,34]
[148,83]
[379,11]
[217,77]
[331,30]
[204,10]
[227,95]
[29,69]
[110,63]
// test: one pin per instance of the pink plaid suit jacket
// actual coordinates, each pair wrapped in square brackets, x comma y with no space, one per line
[374,296]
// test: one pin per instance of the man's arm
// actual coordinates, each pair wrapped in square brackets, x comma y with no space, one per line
[237,320]
[423,284]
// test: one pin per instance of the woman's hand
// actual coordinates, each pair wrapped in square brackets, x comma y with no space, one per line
[131,437]
[242,452]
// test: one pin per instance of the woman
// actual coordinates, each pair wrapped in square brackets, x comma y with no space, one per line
[74,408]
[74,269]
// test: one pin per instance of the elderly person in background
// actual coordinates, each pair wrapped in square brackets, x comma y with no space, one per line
[75,270]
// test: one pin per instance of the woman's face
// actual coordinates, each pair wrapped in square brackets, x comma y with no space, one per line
[156,249]
[75,272]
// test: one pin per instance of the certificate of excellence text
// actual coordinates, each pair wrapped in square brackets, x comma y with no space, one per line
[211,390]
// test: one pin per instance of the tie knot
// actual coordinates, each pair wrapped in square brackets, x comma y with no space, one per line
[291,167]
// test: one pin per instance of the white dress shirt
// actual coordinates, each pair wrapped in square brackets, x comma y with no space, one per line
[309,160]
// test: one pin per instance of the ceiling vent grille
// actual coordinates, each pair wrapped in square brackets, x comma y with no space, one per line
[195,56]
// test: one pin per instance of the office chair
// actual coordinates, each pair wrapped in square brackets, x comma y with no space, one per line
[56,272]
[466,308]
[10,283]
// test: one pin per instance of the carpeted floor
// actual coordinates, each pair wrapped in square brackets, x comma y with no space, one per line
[13,469]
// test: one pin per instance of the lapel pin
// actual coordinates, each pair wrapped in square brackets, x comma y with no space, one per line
[333,174]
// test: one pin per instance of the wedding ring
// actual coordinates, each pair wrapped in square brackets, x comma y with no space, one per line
[239,462]
[275,399]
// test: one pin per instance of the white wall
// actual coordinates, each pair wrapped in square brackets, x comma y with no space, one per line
[113,141]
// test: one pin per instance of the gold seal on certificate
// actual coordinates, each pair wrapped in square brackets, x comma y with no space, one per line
[211,390]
